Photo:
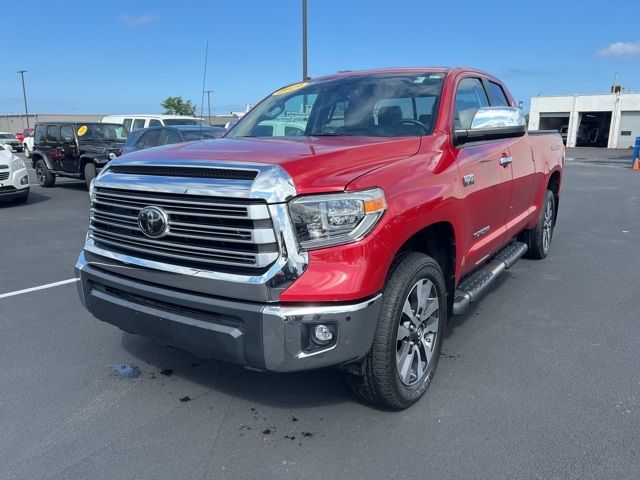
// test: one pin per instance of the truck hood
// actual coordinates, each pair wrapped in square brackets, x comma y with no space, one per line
[316,164]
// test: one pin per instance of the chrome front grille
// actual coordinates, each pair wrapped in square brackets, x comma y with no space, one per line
[204,232]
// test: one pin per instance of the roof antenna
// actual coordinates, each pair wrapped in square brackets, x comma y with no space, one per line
[204,81]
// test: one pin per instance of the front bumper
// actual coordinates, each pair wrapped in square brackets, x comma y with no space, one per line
[258,335]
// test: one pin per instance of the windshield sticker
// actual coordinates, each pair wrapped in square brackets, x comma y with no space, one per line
[82,130]
[419,79]
[291,88]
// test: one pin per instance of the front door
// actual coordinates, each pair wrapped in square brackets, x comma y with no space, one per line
[486,190]
[486,177]
[53,148]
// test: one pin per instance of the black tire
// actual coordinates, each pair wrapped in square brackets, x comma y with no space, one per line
[381,383]
[90,173]
[44,176]
[539,238]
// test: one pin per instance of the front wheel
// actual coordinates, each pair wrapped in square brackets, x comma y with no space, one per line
[409,334]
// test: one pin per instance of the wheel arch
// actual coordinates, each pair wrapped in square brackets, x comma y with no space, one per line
[438,240]
[40,155]
[554,185]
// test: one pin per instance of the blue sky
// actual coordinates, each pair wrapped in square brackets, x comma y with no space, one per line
[126,56]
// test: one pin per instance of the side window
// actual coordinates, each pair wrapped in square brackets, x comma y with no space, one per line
[155,123]
[150,139]
[498,98]
[40,134]
[127,123]
[138,123]
[169,136]
[294,113]
[293,132]
[53,134]
[470,96]
[66,133]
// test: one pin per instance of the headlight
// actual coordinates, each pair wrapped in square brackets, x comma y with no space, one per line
[17,164]
[326,220]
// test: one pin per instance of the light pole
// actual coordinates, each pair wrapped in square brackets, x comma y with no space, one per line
[24,94]
[209,103]
[304,40]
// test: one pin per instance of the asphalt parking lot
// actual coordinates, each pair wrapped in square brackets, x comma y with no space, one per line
[541,379]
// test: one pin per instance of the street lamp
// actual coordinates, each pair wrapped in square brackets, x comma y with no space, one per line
[304,40]
[209,103]
[24,95]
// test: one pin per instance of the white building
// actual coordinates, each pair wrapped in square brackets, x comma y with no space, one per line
[607,120]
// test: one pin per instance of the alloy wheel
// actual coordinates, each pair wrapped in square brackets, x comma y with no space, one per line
[547,226]
[417,332]
[40,174]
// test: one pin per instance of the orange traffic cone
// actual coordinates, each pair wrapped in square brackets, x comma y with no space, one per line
[636,164]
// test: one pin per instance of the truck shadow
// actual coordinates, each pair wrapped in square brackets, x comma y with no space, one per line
[278,390]
[457,321]
[34,198]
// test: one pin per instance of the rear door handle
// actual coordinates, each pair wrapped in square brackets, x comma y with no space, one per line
[506,160]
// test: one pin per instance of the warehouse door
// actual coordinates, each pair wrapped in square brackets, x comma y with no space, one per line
[629,129]
[593,130]
[555,121]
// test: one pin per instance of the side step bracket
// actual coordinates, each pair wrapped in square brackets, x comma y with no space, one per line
[474,285]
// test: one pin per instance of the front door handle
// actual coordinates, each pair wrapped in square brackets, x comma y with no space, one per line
[506,160]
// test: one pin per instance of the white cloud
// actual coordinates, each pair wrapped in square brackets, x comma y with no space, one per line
[620,49]
[137,21]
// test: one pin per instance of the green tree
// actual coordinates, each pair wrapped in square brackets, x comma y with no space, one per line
[177,106]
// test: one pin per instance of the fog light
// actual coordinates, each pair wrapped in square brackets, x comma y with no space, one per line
[24,180]
[322,334]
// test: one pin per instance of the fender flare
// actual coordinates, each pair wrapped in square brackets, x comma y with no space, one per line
[44,156]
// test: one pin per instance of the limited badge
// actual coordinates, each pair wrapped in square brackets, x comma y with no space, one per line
[291,88]
[82,130]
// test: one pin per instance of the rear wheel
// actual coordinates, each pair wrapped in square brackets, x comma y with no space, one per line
[89,173]
[539,238]
[43,175]
[409,334]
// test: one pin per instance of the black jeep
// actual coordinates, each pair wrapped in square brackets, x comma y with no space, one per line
[76,150]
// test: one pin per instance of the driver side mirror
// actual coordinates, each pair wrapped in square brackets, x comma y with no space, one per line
[492,123]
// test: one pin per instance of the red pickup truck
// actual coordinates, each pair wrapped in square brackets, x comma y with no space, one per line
[339,223]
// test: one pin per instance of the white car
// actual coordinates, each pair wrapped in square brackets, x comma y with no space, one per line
[14,179]
[8,141]
[134,121]
[27,144]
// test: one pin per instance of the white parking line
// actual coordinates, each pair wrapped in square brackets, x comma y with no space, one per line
[41,287]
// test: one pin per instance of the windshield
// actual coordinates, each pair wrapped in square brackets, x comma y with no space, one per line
[374,105]
[7,136]
[101,132]
[183,121]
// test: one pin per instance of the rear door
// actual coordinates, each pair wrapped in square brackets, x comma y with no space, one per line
[486,179]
